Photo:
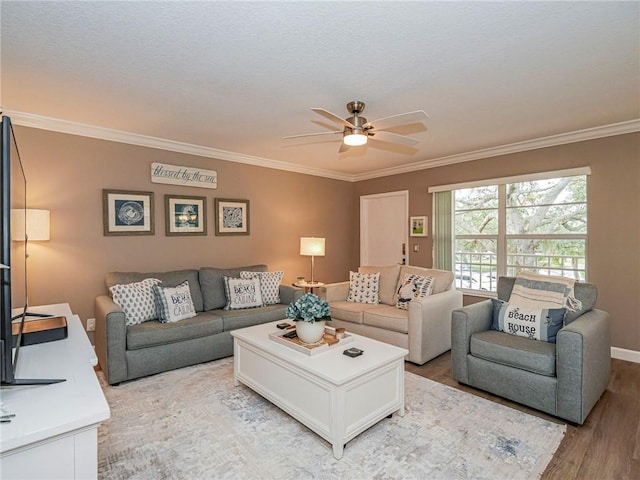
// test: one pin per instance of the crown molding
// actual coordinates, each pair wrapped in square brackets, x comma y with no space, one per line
[550,141]
[74,128]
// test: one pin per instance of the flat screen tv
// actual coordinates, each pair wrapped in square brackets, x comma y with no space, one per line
[13,257]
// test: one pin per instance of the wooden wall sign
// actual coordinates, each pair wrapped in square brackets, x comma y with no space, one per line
[185,176]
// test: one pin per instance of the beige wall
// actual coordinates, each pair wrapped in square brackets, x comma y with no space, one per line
[614,221]
[66,174]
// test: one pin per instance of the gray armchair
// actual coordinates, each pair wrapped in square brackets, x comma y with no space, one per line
[564,379]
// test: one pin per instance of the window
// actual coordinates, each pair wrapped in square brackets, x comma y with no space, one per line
[533,223]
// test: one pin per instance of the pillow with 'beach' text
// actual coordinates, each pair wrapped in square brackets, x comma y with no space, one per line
[531,322]
[242,293]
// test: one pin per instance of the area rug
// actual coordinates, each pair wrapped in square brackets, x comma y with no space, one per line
[193,423]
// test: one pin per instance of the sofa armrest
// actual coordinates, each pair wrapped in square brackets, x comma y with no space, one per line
[465,322]
[111,339]
[583,364]
[334,292]
[289,294]
[430,325]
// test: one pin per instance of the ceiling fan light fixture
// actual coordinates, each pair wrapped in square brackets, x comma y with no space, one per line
[355,139]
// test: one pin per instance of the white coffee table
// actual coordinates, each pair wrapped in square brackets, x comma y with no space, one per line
[336,396]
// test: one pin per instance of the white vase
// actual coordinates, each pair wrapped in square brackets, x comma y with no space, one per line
[310,332]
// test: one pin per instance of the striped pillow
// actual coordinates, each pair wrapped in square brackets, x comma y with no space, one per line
[544,291]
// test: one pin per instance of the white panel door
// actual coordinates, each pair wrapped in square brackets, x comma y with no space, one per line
[384,228]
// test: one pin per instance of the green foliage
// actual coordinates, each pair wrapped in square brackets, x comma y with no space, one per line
[536,212]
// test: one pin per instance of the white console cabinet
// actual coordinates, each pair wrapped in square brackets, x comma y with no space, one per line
[54,434]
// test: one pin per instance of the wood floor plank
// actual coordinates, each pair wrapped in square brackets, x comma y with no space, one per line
[605,447]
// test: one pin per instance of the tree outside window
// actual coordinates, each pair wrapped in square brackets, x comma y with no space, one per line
[537,225]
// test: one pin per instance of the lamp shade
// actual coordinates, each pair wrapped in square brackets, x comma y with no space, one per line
[36,223]
[312,246]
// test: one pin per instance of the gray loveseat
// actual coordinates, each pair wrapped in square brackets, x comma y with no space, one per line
[564,379]
[128,352]
[424,329]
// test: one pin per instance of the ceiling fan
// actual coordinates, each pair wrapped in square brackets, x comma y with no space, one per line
[356,129]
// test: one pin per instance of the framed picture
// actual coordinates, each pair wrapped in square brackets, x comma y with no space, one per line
[232,216]
[127,213]
[185,215]
[419,226]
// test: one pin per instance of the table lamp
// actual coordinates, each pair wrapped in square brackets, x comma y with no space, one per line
[313,247]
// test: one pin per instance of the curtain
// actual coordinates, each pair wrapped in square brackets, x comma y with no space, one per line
[443,230]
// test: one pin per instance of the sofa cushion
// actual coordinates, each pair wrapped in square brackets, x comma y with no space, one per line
[242,293]
[233,319]
[536,323]
[387,317]
[137,300]
[587,293]
[413,286]
[168,279]
[513,351]
[442,279]
[269,285]
[153,333]
[388,282]
[212,284]
[363,287]
[350,311]
[173,303]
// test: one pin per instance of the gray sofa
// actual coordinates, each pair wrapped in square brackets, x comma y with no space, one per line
[564,379]
[128,352]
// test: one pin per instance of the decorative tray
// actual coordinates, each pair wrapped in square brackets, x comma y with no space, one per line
[328,342]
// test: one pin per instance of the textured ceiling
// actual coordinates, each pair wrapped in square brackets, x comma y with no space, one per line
[238,76]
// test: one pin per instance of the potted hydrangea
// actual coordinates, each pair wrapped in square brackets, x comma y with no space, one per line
[310,313]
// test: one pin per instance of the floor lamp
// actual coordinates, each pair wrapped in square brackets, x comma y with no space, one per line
[29,225]
[312,247]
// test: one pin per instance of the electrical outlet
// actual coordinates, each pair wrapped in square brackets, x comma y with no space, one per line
[91,324]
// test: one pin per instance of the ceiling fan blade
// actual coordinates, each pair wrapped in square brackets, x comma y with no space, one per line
[332,116]
[313,134]
[393,138]
[396,120]
[343,147]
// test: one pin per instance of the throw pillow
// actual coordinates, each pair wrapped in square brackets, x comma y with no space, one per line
[364,287]
[174,303]
[136,300]
[532,290]
[242,293]
[269,285]
[531,322]
[413,286]
[388,281]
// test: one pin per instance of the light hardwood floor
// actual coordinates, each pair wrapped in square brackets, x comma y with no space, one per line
[606,447]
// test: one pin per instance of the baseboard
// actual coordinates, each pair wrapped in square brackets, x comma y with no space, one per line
[624,354]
